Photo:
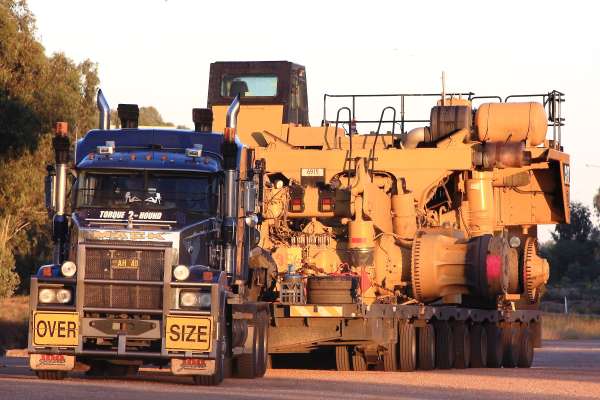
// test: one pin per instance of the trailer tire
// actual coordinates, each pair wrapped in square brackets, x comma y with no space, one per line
[495,350]
[408,346]
[427,347]
[444,345]
[342,358]
[51,375]
[526,349]
[479,346]
[359,363]
[462,345]
[510,340]
[390,357]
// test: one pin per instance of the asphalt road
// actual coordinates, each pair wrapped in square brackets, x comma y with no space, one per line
[562,370]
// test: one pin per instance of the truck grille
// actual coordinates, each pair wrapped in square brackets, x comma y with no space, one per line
[142,264]
[123,296]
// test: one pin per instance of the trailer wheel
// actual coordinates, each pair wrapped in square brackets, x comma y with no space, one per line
[462,345]
[427,350]
[342,358]
[495,350]
[408,346]
[245,365]
[359,363]
[510,339]
[479,346]
[525,349]
[390,357]
[444,345]
[51,375]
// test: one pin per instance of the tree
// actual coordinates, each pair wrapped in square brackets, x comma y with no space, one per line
[35,92]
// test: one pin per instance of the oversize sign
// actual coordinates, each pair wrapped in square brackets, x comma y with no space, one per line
[55,328]
[188,333]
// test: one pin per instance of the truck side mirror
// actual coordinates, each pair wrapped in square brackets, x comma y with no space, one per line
[49,188]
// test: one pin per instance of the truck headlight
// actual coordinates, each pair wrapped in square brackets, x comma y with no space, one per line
[63,296]
[47,295]
[181,272]
[195,299]
[68,269]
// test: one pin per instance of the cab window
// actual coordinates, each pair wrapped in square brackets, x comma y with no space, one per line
[249,86]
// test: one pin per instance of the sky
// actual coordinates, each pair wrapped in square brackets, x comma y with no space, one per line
[158,52]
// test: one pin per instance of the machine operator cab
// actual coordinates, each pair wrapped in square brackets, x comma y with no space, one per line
[272,94]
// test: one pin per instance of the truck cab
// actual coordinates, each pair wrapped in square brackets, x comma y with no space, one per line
[151,259]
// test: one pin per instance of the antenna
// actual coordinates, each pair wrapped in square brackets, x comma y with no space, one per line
[443,88]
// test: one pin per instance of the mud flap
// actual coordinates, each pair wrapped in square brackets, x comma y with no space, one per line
[53,362]
[192,366]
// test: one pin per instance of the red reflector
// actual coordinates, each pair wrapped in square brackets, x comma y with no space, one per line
[47,272]
[133,157]
[163,158]
[296,202]
[207,276]
[326,201]
[149,156]
[358,240]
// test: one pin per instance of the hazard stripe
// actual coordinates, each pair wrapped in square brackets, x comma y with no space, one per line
[316,311]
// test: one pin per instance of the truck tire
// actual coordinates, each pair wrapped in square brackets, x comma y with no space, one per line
[214,379]
[359,363]
[390,357]
[331,289]
[444,345]
[495,350]
[427,349]
[462,345]
[342,358]
[51,375]
[245,365]
[263,346]
[408,346]
[525,348]
[479,346]
[510,340]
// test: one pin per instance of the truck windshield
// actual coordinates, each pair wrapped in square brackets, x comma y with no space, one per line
[196,194]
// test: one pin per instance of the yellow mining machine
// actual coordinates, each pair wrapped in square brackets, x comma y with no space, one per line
[395,241]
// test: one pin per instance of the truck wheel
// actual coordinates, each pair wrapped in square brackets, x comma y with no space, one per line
[390,357]
[342,358]
[479,346]
[495,350]
[408,346]
[444,345]
[462,345]
[51,375]
[525,349]
[510,340]
[427,350]
[263,347]
[245,366]
[214,379]
[359,363]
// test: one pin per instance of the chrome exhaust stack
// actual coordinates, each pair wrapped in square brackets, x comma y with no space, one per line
[229,150]
[104,109]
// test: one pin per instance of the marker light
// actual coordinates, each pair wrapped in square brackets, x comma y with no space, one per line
[68,269]
[514,242]
[181,272]
[188,299]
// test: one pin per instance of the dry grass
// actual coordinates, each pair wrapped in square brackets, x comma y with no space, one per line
[570,326]
[14,313]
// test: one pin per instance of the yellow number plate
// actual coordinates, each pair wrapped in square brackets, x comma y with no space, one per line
[55,328]
[125,263]
[188,333]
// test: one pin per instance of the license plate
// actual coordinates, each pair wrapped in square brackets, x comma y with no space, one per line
[188,333]
[55,362]
[125,263]
[55,328]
